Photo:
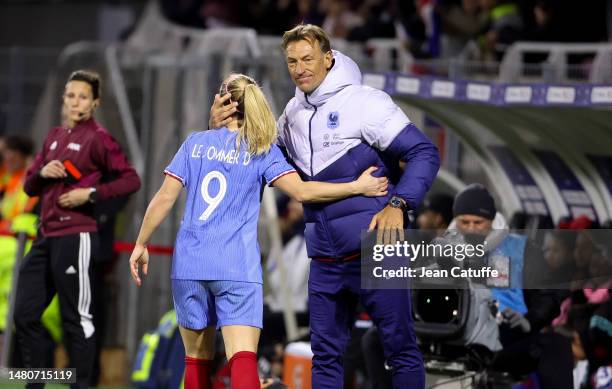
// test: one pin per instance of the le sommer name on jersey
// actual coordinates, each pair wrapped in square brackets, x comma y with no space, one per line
[227,156]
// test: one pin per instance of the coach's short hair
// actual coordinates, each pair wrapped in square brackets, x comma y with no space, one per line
[308,32]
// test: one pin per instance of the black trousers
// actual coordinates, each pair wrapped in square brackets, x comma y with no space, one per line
[61,265]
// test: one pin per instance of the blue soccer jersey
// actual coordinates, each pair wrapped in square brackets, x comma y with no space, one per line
[217,239]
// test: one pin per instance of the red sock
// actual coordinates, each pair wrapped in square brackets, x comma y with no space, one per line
[243,370]
[197,373]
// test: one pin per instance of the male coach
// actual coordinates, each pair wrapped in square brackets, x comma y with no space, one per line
[332,130]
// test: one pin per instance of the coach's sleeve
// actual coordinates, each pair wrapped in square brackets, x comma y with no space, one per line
[280,129]
[179,166]
[125,179]
[275,165]
[388,129]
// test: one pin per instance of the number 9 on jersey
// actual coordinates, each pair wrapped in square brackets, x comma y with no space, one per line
[213,202]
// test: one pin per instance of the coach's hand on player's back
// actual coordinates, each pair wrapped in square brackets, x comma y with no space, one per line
[221,111]
[372,186]
[140,256]
[53,169]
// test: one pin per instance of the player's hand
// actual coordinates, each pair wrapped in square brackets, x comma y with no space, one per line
[74,198]
[140,256]
[220,113]
[54,169]
[389,224]
[371,186]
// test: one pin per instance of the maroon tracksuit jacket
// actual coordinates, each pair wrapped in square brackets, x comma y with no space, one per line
[96,154]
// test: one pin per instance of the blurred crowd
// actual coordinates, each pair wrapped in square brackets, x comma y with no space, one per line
[574,315]
[429,28]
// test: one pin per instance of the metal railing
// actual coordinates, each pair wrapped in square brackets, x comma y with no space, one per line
[557,67]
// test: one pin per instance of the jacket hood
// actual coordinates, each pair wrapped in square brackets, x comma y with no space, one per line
[343,73]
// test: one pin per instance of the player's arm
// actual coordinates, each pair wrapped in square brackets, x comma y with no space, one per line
[159,207]
[157,211]
[316,191]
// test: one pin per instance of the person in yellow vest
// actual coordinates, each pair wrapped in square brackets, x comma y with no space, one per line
[2,164]
[15,208]
[15,201]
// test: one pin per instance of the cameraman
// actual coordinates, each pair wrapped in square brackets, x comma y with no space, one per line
[525,313]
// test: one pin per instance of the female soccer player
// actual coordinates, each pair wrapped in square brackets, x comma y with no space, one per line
[216,271]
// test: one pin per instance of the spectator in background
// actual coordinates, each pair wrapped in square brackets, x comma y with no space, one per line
[15,201]
[546,28]
[596,288]
[461,21]
[436,213]
[582,246]
[559,254]
[590,269]
[525,312]
[16,210]
[291,221]
[583,251]
[590,324]
[419,27]
[505,26]
[378,20]
[598,350]
[340,18]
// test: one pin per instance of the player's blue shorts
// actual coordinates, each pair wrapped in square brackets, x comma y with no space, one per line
[201,304]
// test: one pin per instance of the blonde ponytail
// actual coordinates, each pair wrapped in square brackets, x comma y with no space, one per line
[259,126]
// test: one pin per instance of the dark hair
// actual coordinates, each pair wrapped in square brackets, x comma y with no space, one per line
[441,204]
[307,32]
[90,77]
[20,143]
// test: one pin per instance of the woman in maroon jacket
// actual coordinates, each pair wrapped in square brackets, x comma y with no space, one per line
[67,174]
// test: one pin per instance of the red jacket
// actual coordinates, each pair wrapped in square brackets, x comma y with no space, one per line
[96,154]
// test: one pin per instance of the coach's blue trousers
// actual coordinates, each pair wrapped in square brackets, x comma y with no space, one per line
[333,291]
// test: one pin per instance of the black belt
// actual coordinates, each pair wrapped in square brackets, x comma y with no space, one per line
[345,258]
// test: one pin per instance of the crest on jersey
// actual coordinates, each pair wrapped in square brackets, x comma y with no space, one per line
[333,120]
